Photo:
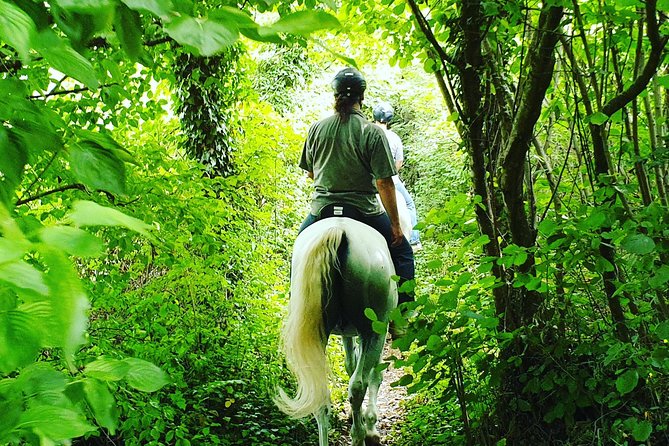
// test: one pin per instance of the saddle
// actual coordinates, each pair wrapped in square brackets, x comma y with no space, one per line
[340,210]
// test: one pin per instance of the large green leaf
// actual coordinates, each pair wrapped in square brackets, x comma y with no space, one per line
[641,430]
[85,6]
[36,133]
[548,227]
[254,34]
[13,98]
[39,379]
[103,404]
[207,37]
[88,213]
[11,250]
[638,244]
[243,22]
[597,118]
[8,299]
[11,412]
[69,303]
[32,124]
[660,277]
[17,29]
[302,23]
[107,142]
[13,243]
[14,158]
[41,311]
[107,369]
[73,241]
[233,16]
[434,342]
[19,342]
[97,168]
[63,58]
[602,265]
[627,381]
[160,8]
[662,330]
[144,375]
[38,13]
[55,423]
[128,26]
[23,275]
[380,327]
[82,23]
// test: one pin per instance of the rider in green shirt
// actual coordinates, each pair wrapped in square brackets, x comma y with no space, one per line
[349,160]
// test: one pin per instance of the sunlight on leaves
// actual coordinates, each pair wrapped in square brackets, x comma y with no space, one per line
[88,213]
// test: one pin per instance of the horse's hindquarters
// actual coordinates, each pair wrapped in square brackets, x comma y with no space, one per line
[341,268]
[362,281]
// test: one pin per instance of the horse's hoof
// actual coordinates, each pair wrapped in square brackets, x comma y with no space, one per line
[373,440]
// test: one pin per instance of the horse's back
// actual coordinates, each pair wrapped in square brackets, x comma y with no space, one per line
[364,276]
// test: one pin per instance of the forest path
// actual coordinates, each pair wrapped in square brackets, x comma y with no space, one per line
[388,402]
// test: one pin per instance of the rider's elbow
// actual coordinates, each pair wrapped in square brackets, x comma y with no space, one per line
[385,183]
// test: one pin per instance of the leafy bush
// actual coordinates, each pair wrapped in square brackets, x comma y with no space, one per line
[203,301]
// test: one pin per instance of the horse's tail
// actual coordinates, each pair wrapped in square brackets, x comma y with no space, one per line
[303,336]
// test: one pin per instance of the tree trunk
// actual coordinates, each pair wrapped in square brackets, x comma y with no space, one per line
[541,61]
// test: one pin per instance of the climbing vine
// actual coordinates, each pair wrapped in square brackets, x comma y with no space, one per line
[209,91]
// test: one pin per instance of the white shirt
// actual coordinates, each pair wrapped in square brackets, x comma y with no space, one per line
[396,148]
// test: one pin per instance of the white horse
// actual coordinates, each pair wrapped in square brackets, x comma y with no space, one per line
[340,267]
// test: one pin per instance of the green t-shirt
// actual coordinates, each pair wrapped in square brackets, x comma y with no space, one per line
[346,159]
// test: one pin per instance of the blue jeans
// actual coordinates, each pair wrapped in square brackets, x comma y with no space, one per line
[411,206]
[402,255]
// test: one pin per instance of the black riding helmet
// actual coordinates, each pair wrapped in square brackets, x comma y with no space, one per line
[383,112]
[349,82]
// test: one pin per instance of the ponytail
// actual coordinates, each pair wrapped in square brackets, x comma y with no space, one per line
[344,105]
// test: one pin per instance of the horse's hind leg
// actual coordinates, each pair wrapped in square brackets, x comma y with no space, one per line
[371,415]
[351,358]
[323,420]
[370,354]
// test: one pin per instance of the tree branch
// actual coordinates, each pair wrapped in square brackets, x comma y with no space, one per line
[77,186]
[583,88]
[586,50]
[657,45]
[157,42]
[64,92]
[429,35]
[11,66]
[541,62]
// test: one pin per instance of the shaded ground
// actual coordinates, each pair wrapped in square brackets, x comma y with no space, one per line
[389,400]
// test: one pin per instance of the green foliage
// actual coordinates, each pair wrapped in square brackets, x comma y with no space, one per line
[66,52]
[203,303]
[593,282]
[186,272]
[43,313]
[280,71]
[455,340]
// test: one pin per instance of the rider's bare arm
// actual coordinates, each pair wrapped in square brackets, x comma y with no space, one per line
[386,189]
